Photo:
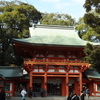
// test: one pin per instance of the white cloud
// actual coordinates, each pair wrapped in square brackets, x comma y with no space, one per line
[60,1]
[51,1]
[61,5]
[79,1]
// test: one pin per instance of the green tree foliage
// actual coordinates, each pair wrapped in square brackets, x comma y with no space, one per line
[57,19]
[86,32]
[93,56]
[15,19]
[92,17]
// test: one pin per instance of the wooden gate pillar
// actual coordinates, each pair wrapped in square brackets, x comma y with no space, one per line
[67,80]
[45,79]
[45,83]
[31,79]
[67,92]
[80,82]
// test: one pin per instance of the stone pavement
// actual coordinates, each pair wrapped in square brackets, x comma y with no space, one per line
[50,98]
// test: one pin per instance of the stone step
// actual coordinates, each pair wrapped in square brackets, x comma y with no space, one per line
[49,98]
[39,98]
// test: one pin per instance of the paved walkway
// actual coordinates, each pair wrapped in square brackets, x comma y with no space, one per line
[50,98]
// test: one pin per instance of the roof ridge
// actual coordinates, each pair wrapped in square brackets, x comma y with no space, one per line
[53,26]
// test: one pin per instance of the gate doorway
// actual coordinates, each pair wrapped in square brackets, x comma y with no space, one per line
[54,86]
[53,89]
[36,89]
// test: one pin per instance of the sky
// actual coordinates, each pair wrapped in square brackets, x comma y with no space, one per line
[71,7]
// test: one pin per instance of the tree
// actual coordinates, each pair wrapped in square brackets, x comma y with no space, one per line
[57,19]
[93,56]
[85,31]
[92,17]
[89,26]
[15,19]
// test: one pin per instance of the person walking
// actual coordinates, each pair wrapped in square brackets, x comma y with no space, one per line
[74,97]
[42,92]
[2,94]
[87,94]
[82,96]
[30,92]
[34,91]
[23,93]
[69,96]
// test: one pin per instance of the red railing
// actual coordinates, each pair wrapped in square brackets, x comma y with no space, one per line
[54,60]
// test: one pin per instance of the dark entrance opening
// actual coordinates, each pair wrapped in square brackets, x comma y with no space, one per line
[36,89]
[53,89]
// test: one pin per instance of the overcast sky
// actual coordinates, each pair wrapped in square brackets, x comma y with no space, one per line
[72,7]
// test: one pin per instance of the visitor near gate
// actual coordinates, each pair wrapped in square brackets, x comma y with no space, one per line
[42,92]
[34,91]
[74,97]
[30,92]
[69,96]
[87,94]
[82,96]
[2,94]
[23,93]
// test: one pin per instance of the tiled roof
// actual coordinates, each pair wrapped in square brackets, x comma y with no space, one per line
[53,35]
[8,71]
[90,73]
